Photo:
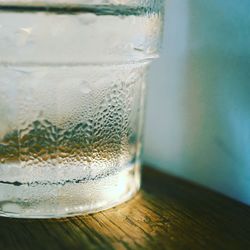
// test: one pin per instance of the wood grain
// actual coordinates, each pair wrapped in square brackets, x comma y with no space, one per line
[168,213]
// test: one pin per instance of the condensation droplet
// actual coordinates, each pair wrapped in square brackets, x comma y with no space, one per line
[85,88]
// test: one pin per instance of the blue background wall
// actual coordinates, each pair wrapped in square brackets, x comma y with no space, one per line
[198,110]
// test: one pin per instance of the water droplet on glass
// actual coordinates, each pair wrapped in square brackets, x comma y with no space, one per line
[85,88]
[26,30]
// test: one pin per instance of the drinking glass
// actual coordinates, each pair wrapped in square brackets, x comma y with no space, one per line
[72,90]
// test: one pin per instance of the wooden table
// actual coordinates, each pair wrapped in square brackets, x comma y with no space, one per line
[168,213]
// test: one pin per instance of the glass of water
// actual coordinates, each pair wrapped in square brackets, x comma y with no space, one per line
[72,88]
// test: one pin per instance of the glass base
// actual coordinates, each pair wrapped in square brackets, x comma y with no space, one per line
[56,201]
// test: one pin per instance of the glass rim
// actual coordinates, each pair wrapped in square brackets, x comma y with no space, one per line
[81,2]
[78,6]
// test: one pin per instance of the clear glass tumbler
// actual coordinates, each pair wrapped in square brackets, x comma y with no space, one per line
[72,83]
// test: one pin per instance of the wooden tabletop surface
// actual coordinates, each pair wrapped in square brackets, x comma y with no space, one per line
[168,213]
